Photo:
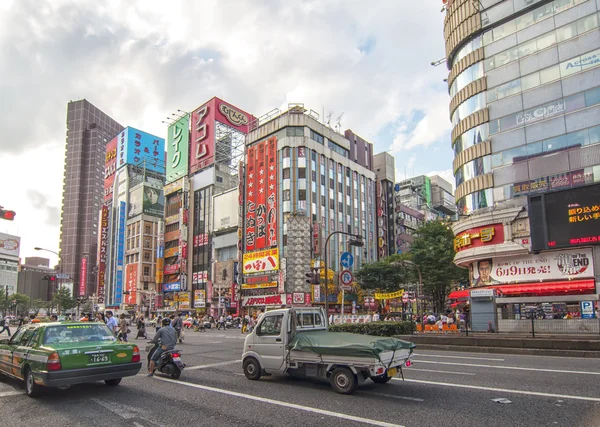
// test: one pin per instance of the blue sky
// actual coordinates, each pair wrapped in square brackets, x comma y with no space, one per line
[139,61]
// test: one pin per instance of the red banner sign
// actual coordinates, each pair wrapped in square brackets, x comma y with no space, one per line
[250,200]
[279,299]
[202,152]
[102,254]
[131,283]
[110,168]
[171,269]
[480,236]
[83,276]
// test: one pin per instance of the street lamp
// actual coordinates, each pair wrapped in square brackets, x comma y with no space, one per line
[357,242]
[60,266]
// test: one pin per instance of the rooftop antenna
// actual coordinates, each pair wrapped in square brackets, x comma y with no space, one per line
[329,118]
[339,122]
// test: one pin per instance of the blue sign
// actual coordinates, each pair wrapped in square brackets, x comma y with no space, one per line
[135,147]
[587,309]
[169,287]
[120,253]
[347,260]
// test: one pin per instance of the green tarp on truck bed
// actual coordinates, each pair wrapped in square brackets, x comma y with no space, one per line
[346,344]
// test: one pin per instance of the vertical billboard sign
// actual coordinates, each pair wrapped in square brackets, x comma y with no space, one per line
[102,256]
[202,153]
[271,191]
[136,147]
[83,276]
[160,253]
[261,201]
[120,253]
[250,200]
[131,283]
[110,168]
[178,149]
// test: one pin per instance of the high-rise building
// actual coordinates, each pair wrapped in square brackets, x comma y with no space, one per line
[88,132]
[385,171]
[36,279]
[524,83]
[432,196]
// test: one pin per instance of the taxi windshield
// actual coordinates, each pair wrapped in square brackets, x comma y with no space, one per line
[64,334]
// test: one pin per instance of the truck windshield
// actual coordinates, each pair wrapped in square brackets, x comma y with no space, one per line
[89,332]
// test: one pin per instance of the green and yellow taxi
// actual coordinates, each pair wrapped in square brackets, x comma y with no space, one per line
[65,353]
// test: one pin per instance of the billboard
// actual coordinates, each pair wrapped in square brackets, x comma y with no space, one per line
[135,147]
[260,300]
[199,298]
[103,248]
[556,265]
[120,253]
[136,202]
[565,218]
[225,210]
[131,271]
[83,276]
[153,202]
[178,149]
[261,261]
[9,244]
[110,168]
[261,195]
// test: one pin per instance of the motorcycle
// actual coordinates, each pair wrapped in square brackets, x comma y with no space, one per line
[169,362]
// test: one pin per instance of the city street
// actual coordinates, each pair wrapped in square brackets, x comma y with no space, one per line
[441,388]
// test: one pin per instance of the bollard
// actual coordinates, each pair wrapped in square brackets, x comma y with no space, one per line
[532,325]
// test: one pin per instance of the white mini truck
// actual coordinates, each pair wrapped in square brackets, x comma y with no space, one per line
[296,341]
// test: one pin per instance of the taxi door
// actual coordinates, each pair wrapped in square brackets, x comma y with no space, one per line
[20,349]
[268,342]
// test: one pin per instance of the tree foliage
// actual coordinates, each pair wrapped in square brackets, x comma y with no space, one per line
[63,299]
[19,302]
[386,275]
[433,251]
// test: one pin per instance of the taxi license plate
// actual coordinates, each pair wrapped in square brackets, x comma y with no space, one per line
[98,358]
[392,372]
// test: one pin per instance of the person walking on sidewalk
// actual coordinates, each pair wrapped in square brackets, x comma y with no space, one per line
[123,329]
[5,324]
[141,328]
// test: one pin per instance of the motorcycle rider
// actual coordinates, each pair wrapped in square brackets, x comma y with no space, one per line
[167,337]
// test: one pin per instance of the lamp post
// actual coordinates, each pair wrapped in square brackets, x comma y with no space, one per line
[60,270]
[358,242]
[420,284]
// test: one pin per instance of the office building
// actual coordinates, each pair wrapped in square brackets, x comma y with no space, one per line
[35,279]
[88,132]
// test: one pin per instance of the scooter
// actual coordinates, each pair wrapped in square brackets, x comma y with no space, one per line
[169,363]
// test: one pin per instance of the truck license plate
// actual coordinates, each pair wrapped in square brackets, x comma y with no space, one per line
[392,372]
[98,358]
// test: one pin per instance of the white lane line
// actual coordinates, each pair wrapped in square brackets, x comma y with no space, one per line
[458,357]
[516,368]
[504,390]
[393,396]
[212,365]
[11,393]
[443,372]
[284,404]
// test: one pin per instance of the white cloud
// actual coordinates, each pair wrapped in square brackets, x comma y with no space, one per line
[139,61]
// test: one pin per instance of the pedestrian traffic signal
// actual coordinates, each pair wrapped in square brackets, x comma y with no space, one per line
[7,215]
[313,277]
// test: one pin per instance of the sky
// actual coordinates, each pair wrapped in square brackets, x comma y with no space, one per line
[140,61]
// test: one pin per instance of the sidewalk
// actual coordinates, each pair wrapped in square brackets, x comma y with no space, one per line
[544,345]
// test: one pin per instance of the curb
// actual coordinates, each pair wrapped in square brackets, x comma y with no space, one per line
[510,350]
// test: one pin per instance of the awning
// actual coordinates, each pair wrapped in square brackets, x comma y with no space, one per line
[459,294]
[548,288]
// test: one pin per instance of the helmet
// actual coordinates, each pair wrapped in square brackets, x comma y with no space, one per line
[166,321]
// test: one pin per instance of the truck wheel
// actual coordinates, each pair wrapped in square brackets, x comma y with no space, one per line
[112,383]
[252,369]
[381,379]
[343,381]
[31,388]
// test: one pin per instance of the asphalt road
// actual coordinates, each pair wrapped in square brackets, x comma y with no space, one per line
[441,389]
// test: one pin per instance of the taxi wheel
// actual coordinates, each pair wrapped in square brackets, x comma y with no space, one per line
[113,383]
[31,388]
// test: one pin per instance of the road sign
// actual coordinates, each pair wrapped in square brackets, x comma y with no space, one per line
[347,260]
[405,297]
[346,277]
[62,276]
[346,287]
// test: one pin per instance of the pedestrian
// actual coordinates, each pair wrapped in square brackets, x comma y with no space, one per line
[123,329]
[177,324]
[245,321]
[5,324]
[53,318]
[141,328]
[158,323]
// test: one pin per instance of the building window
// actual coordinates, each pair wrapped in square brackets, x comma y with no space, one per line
[317,137]
[294,131]
[286,173]
[148,229]
[146,271]
[302,173]
[302,195]
[219,179]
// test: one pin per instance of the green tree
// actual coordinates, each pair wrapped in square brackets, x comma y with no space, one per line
[433,251]
[16,303]
[63,299]
[386,275]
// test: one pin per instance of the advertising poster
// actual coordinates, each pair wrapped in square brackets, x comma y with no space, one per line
[136,147]
[267,300]
[261,261]
[259,285]
[120,253]
[199,298]
[202,150]
[110,168]
[154,202]
[9,244]
[569,264]
[250,200]
[136,202]
[83,276]
[271,191]
[102,254]
[261,196]
[183,298]
[178,149]
[131,283]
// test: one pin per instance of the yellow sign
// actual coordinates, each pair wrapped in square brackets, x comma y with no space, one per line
[261,261]
[259,285]
[390,295]
[463,240]
[160,265]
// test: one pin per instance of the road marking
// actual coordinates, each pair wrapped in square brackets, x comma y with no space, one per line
[284,404]
[11,393]
[443,372]
[125,412]
[394,396]
[503,390]
[458,357]
[212,365]
[517,368]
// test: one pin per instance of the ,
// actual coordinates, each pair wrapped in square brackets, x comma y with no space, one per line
[63,354]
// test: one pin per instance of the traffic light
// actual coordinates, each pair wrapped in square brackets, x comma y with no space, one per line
[49,278]
[7,215]
[313,277]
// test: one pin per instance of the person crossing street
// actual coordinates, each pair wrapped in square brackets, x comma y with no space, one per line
[5,324]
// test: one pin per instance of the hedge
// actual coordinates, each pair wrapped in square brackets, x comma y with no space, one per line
[382,329]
